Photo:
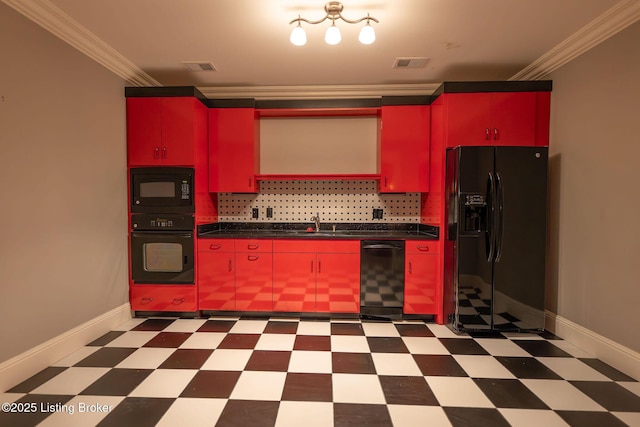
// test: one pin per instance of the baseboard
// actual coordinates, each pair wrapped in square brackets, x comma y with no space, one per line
[22,366]
[620,357]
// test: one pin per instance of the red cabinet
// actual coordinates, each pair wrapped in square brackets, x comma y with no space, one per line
[422,295]
[254,275]
[163,298]
[492,118]
[216,275]
[234,156]
[312,275]
[164,130]
[404,149]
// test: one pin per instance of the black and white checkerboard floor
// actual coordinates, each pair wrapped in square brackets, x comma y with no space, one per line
[299,372]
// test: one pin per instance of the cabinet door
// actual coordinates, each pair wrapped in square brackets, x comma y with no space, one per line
[294,282]
[254,281]
[513,118]
[338,283]
[404,149]
[216,281]
[233,154]
[144,134]
[420,293]
[468,119]
[178,121]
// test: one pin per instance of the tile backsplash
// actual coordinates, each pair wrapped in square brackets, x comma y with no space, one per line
[335,201]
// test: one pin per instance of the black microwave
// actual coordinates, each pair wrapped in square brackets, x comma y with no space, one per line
[162,190]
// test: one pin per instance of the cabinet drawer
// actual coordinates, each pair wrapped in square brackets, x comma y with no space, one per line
[422,246]
[339,246]
[163,298]
[215,245]
[294,246]
[253,245]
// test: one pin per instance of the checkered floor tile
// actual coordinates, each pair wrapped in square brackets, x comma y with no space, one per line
[328,372]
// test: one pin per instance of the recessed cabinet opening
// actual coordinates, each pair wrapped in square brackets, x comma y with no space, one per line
[318,145]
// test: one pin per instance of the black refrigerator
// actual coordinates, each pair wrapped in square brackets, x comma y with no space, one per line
[495,238]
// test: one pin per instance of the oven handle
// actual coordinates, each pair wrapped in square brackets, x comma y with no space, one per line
[162,233]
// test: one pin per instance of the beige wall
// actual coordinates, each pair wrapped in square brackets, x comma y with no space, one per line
[594,235]
[63,226]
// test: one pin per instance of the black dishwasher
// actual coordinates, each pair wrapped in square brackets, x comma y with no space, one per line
[381,277]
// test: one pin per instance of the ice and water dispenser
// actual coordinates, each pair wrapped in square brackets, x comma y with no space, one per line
[475,211]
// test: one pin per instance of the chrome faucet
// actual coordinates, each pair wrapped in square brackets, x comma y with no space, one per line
[316,219]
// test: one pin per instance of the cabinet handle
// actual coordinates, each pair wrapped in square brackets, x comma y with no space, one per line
[319,267]
[423,248]
[178,301]
[312,266]
[215,247]
[253,257]
[253,247]
[410,268]
[250,182]
[146,300]
[495,134]
[486,134]
[164,152]
[230,266]
[156,153]
[385,182]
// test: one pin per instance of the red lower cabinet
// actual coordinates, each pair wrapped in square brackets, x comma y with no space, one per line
[421,292]
[314,275]
[163,297]
[294,282]
[338,283]
[216,281]
[254,284]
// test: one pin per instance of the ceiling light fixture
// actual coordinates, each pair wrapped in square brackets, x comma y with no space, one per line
[332,36]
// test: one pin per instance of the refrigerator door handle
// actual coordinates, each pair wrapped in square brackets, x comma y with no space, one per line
[500,216]
[489,237]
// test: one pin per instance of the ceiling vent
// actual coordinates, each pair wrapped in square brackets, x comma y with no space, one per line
[199,66]
[410,62]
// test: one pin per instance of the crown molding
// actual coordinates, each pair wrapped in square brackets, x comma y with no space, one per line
[54,20]
[600,29]
[319,91]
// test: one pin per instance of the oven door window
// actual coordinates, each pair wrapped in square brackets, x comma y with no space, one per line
[162,257]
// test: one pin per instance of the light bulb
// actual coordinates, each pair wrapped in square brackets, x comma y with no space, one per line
[332,36]
[367,35]
[298,36]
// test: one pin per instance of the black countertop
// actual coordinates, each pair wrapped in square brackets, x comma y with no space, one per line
[344,231]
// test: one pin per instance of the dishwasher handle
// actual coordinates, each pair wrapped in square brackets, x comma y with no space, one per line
[382,246]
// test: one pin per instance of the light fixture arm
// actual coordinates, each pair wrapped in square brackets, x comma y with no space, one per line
[333,10]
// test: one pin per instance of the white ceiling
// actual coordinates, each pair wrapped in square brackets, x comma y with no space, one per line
[146,41]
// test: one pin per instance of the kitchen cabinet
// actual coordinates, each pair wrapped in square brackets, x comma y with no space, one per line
[421,291]
[498,118]
[234,150]
[404,148]
[165,131]
[321,276]
[163,298]
[216,274]
[254,274]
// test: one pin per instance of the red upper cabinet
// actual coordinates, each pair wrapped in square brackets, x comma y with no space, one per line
[404,148]
[164,130]
[234,151]
[495,118]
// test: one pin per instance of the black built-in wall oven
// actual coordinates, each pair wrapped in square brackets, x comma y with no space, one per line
[162,225]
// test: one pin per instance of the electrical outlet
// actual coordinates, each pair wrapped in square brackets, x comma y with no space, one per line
[378,213]
[269,212]
[255,213]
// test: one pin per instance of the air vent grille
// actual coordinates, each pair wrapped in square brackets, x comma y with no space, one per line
[199,66]
[411,62]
